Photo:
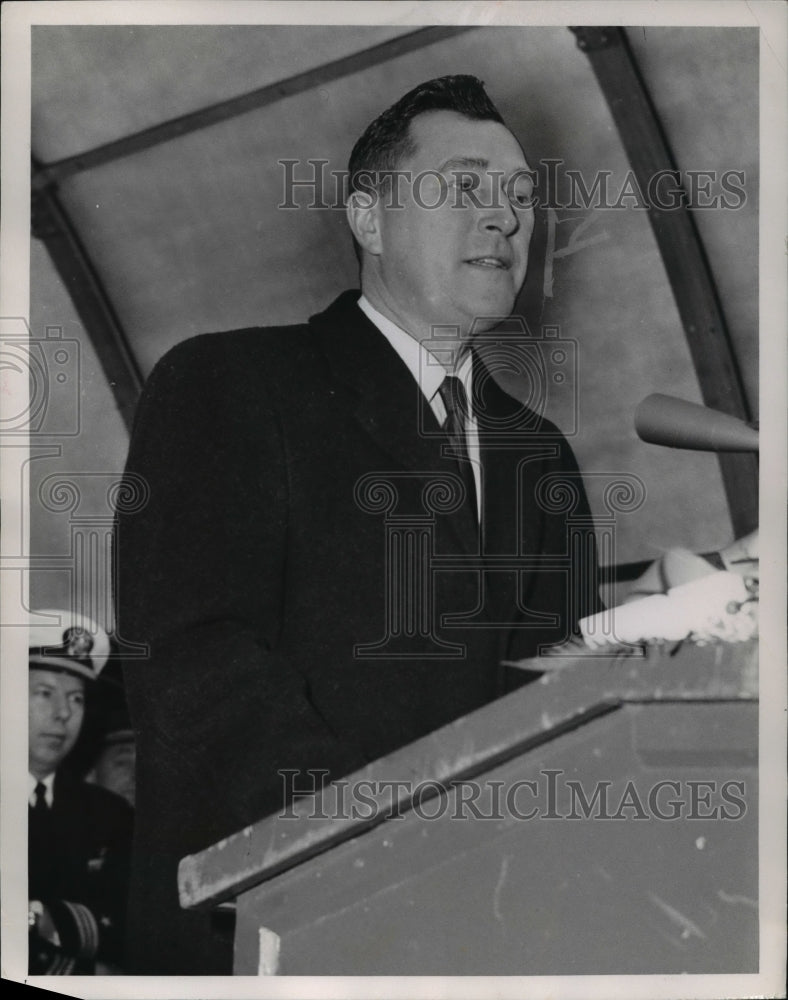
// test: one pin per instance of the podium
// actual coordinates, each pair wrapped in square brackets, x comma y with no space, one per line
[600,820]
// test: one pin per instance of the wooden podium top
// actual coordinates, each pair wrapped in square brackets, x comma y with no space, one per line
[572,690]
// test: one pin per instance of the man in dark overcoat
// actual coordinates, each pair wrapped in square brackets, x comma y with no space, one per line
[343,521]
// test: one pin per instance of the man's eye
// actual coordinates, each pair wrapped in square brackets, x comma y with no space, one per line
[523,199]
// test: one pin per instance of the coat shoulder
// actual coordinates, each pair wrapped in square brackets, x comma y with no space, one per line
[96,805]
[234,360]
[103,800]
[248,346]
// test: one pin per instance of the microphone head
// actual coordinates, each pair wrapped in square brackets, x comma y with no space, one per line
[675,423]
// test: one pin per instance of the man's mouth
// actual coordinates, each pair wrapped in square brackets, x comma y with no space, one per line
[495,262]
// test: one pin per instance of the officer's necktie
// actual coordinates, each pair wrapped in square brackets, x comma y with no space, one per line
[455,400]
[41,807]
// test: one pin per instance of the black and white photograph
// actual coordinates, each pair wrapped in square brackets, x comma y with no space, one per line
[392,439]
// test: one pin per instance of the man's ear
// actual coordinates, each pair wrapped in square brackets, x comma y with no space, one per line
[363,216]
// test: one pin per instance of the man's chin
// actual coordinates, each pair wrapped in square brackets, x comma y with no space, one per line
[490,316]
[49,759]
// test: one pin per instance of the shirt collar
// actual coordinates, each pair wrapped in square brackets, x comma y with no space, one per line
[48,783]
[425,368]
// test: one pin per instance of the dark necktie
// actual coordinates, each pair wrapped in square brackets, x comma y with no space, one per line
[41,807]
[42,846]
[452,393]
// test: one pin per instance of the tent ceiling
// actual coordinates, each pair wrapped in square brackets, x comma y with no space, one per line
[96,84]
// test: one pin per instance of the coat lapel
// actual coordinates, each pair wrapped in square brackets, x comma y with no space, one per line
[514,450]
[386,400]
[508,437]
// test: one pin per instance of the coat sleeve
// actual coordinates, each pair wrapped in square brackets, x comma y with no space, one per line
[201,563]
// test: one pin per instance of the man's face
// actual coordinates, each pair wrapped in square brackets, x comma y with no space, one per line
[56,708]
[115,769]
[465,259]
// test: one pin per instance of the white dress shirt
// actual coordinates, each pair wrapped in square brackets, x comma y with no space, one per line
[429,373]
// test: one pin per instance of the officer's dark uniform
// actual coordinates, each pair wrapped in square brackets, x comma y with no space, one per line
[79,847]
[78,867]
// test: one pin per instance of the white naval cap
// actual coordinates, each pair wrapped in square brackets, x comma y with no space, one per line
[70,642]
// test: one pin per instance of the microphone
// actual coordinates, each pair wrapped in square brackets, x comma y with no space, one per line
[673,422]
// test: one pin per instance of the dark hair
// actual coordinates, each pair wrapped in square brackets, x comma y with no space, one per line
[387,140]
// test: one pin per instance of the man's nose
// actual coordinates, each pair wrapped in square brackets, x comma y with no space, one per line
[500,217]
[62,708]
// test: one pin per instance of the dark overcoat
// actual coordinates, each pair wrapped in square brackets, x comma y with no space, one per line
[311,593]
